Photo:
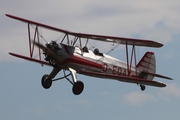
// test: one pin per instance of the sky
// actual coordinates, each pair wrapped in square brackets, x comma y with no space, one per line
[22,96]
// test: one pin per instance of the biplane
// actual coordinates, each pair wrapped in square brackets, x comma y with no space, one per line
[67,56]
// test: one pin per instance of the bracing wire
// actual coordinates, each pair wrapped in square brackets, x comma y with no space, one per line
[58,38]
[40,34]
[117,45]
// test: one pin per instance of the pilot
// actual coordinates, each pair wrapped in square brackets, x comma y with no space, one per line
[85,49]
[96,51]
[55,46]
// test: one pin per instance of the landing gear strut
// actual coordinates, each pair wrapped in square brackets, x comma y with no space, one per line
[78,86]
[143,87]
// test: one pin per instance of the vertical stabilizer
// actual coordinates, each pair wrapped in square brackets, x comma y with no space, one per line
[147,65]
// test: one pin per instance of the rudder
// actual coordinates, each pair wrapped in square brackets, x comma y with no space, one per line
[147,65]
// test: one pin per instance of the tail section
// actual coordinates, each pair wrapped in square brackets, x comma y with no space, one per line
[147,65]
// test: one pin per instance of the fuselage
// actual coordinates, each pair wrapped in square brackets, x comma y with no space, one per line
[89,61]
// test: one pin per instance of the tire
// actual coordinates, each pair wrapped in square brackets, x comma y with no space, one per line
[143,87]
[78,88]
[46,81]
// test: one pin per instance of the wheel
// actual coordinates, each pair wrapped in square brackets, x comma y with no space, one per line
[143,87]
[78,87]
[46,81]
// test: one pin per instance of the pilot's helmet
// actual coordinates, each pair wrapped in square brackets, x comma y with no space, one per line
[96,51]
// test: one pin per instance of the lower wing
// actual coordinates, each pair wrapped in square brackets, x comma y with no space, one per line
[30,59]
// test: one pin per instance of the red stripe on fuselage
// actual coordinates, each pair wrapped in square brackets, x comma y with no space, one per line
[81,61]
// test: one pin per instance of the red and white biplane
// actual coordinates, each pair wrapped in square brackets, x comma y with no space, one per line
[79,59]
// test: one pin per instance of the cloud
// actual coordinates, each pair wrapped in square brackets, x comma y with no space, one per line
[169,91]
[164,94]
[83,102]
[62,108]
[156,20]
[40,111]
[138,98]
[169,55]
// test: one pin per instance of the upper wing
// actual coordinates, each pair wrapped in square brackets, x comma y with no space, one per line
[38,24]
[118,40]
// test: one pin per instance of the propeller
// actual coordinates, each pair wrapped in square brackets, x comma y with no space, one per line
[46,50]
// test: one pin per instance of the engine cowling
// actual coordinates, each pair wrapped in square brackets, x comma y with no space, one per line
[55,48]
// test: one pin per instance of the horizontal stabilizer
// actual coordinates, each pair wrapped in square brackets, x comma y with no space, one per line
[126,79]
[157,75]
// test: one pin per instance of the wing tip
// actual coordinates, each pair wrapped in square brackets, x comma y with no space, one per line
[8,15]
[160,45]
[157,44]
[163,85]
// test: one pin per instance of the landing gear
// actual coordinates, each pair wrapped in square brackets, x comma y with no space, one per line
[143,87]
[77,87]
[46,81]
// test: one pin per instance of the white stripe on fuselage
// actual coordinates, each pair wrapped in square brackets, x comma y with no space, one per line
[110,65]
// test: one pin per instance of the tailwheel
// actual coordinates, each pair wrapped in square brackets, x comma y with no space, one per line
[46,81]
[78,87]
[143,87]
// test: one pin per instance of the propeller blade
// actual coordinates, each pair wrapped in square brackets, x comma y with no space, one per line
[39,45]
[47,50]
